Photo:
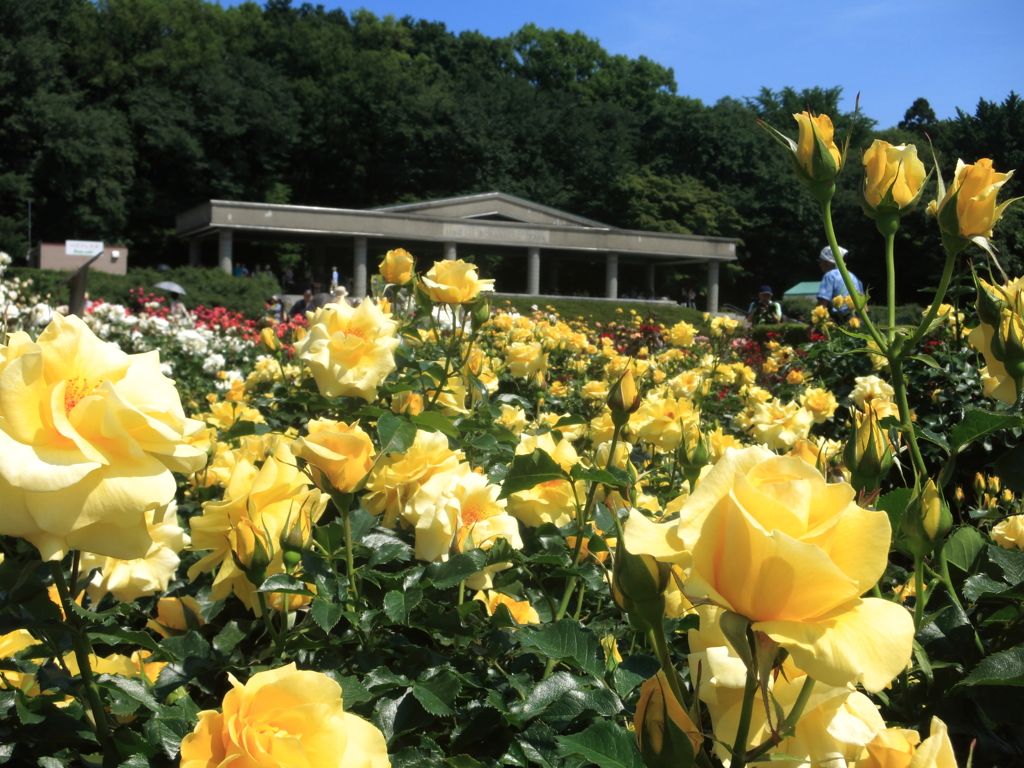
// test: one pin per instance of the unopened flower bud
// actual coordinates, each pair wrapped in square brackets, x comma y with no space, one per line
[624,398]
[250,550]
[868,453]
[665,734]
[269,342]
[640,582]
[926,520]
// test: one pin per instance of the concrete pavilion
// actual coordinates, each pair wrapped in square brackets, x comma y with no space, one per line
[500,223]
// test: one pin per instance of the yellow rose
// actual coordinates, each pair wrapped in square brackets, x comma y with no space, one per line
[398,476]
[682,334]
[779,426]
[257,505]
[129,580]
[521,610]
[175,615]
[89,437]
[767,538]
[409,403]
[269,341]
[350,351]
[10,644]
[525,359]
[343,452]
[1009,533]
[397,266]
[454,282]
[662,420]
[899,748]
[974,188]
[512,417]
[812,128]
[820,402]
[284,717]
[892,170]
[552,501]
[871,388]
[998,337]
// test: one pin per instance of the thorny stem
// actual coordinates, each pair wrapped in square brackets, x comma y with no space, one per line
[83,650]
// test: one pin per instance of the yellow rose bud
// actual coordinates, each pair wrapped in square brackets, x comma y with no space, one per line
[926,520]
[298,334]
[893,179]
[624,398]
[640,582]
[269,341]
[665,734]
[176,616]
[250,550]
[868,453]
[815,157]
[397,266]
[409,403]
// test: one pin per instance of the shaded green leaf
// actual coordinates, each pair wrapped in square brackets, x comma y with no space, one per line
[438,691]
[962,547]
[397,605]
[456,569]
[605,744]
[282,582]
[326,614]
[1010,562]
[1006,668]
[529,471]
[567,640]
[978,423]
[1010,469]
[396,435]
[435,421]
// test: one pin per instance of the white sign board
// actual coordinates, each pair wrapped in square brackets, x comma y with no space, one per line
[82,247]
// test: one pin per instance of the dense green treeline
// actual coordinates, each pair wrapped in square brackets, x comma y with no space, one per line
[117,115]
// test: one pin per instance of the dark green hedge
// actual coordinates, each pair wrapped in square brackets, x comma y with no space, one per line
[209,287]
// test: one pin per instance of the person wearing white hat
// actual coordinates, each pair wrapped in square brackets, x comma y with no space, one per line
[832,284]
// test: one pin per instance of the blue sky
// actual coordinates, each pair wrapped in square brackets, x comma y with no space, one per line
[892,52]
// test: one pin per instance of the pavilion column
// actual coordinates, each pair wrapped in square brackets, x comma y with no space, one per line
[712,286]
[650,278]
[611,276]
[450,251]
[225,255]
[533,270]
[359,269]
[195,252]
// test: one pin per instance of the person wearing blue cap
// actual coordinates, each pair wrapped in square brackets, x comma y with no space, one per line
[832,285]
[764,311]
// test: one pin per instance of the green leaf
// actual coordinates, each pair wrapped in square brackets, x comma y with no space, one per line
[396,435]
[230,636]
[927,360]
[1006,668]
[567,639]
[463,761]
[282,582]
[979,584]
[326,614]
[397,605]
[117,636]
[605,744]
[435,421]
[1010,469]
[569,420]
[978,423]
[612,476]
[133,687]
[352,691]
[456,569]
[244,429]
[634,670]
[1010,562]
[962,547]
[167,733]
[529,471]
[437,690]
[894,504]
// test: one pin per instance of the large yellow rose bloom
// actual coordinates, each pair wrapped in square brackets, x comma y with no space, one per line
[454,282]
[766,536]
[896,168]
[284,717]
[349,351]
[89,437]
